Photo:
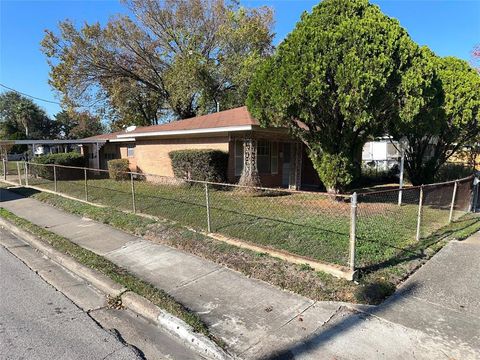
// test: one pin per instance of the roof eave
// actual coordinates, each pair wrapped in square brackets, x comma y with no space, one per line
[50,142]
[221,129]
[121,140]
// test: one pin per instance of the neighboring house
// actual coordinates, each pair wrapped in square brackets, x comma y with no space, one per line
[381,154]
[280,160]
[40,147]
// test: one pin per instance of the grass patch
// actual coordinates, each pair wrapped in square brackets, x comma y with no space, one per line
[380,280]
[377,280]
[307,224]
[116,273]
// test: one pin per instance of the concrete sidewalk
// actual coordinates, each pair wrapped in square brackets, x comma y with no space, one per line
[442,298]
[255,319]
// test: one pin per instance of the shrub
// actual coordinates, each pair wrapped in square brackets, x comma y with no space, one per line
[371,176]
[66,159]
[118,169]
[205,165]
[453,171]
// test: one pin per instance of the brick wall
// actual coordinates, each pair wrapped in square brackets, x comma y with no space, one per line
[132,160]
[151,156]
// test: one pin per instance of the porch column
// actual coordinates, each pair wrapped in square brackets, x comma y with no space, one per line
[249,175]
[97,157]
[250,156]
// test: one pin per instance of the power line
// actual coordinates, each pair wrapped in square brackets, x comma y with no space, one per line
[33,97]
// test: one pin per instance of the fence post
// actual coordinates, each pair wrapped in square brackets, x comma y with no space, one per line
[450,217]
[54,178]
[353,230]
[207,200]
[400,192]
[419,217]
[26,173]
[474,198]
[4,169]
[19,173]
[132,181]
[86,186]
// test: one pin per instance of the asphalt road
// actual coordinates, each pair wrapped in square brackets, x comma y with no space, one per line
[38,322]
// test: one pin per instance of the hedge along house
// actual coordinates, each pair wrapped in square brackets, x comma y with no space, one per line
[279,160]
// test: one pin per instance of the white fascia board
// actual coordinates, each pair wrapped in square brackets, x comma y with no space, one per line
[121,140]
[189,132]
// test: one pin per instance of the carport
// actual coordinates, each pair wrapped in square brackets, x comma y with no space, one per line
[54,146]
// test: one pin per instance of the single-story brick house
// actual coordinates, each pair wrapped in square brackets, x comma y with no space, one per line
[280,160]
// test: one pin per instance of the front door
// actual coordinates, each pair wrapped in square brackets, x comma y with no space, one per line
[287,159]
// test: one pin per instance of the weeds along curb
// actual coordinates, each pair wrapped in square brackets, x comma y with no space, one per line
[174,326]
[138,304]
[100,281]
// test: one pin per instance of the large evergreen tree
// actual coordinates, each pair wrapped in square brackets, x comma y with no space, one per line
[334,82]
[440,110]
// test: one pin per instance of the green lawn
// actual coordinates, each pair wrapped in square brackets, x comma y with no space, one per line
[312,225]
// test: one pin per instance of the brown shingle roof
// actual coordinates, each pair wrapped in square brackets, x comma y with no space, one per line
[233,117]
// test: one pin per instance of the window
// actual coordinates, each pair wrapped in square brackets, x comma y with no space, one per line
[238,152]
[267,157]
[263,157]
[274,158]
[130,150]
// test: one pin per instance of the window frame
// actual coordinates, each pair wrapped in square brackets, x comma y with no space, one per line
[264,155]
[131,150]
[238,144]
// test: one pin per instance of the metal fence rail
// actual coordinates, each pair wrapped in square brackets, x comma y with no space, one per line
[355,231]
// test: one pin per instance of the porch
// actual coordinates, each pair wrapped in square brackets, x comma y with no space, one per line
[276,162]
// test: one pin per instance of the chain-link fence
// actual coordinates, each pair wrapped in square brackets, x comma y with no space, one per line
[393,224]
[12,172]
[359,231]
[383,226]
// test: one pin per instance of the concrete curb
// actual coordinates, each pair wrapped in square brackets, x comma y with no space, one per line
[174,326]
[138,304]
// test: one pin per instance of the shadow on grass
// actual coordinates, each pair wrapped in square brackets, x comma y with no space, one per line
[417,251]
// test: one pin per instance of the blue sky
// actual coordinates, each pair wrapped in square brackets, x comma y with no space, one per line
[448,27]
